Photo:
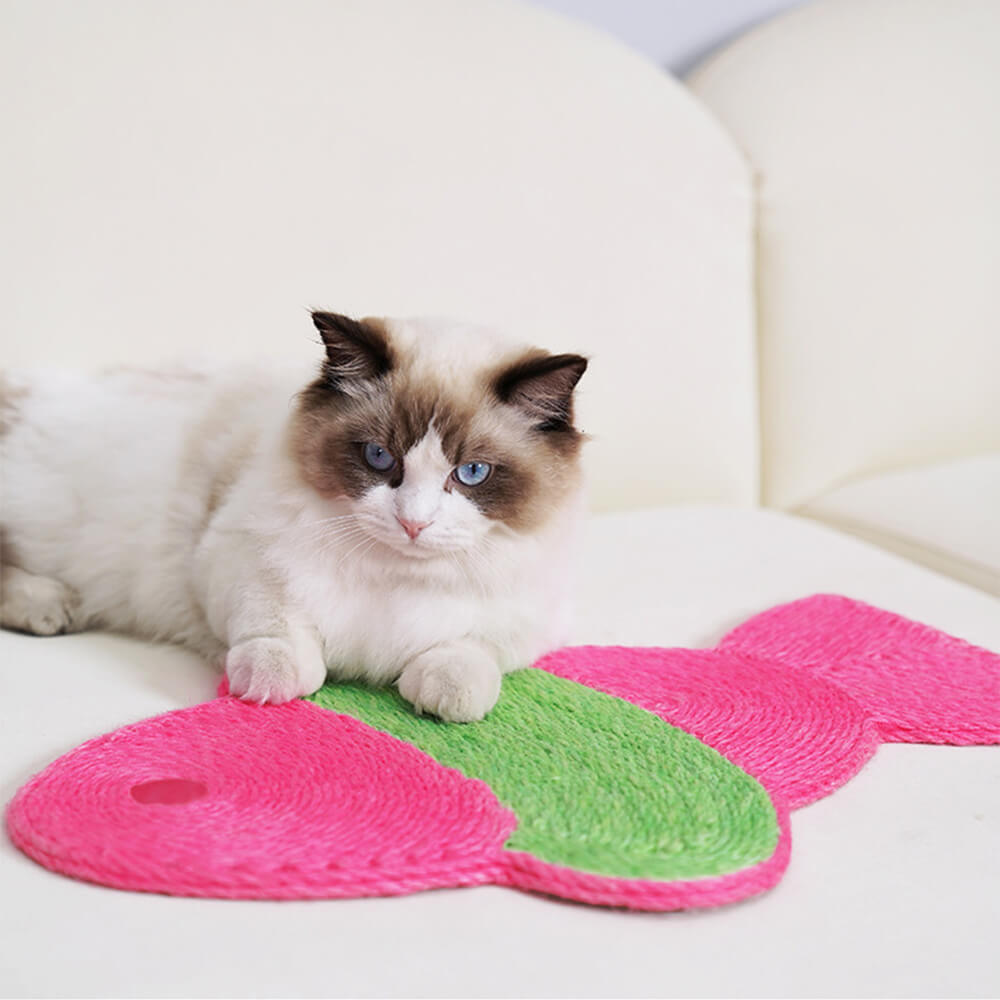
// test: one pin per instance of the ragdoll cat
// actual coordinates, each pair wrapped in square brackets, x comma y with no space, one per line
[406,518]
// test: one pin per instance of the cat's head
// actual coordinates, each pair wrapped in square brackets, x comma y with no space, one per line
[438,435]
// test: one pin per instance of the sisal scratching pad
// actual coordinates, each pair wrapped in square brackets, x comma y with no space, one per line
[598,787]
[647,778]
[799,735]
[917,685]
[284,802]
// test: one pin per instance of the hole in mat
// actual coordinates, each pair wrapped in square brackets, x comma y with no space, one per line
[168,791]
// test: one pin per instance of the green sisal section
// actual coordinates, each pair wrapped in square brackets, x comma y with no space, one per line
[597,784]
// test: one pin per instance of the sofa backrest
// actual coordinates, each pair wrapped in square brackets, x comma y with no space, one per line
[873,127]
[191,176]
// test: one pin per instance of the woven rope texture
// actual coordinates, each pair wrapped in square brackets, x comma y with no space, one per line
[618,776]
[597,784]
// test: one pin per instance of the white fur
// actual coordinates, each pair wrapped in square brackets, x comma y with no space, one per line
[107,486]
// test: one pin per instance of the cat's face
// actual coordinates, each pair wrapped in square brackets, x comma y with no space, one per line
[438,437]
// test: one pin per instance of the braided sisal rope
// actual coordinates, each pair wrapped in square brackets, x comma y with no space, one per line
[299,803]
[799,735]
[918,685]
[614,805]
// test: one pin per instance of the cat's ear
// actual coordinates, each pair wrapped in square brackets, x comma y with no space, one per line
[542,386]
[357,351]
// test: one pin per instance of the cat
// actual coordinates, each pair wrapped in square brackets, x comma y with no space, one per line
[408,517]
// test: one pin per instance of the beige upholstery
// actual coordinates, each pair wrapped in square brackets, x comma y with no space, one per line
[945,516]
[191,176]
[874,134]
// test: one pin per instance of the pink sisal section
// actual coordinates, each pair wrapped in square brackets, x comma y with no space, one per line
[299,802]
[798,735]
[918,684]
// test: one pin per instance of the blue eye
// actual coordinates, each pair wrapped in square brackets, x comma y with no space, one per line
[473,473]
[378,457]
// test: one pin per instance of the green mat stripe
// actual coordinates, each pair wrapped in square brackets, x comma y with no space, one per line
[597,784]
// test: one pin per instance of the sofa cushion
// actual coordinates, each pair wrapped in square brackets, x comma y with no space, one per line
[898,847]
[189,177]
[945,516]
[878,233]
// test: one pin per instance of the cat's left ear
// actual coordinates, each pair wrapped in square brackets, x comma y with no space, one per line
[542,386]
[357,351]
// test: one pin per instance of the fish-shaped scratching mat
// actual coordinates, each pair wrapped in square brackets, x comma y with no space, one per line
[655,779]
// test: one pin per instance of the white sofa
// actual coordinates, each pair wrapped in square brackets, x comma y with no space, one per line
[782,305]
[873,134]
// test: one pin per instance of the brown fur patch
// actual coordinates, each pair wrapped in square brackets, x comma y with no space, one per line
[7,555]
[496,417]
[355,349]
[226,475]
[11,397]
[215,452]
[542,386]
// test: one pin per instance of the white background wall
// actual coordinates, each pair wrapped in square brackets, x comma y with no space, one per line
[674,33]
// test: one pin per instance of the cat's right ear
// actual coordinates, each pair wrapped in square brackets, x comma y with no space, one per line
[357,351]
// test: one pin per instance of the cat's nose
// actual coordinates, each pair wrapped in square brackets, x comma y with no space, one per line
[412,528]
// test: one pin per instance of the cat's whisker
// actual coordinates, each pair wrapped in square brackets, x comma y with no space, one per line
[471,573]
[364,551]
[324,538]
[324,546]
[328,522]
[293,527]
[453,557]
[329,525]
[338,531]
[351,551]
[331,544]
[484,573]
[489,553]
[479,581]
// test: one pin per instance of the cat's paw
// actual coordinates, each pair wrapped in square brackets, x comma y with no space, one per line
[38,604]
[270,670]
[457,683]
